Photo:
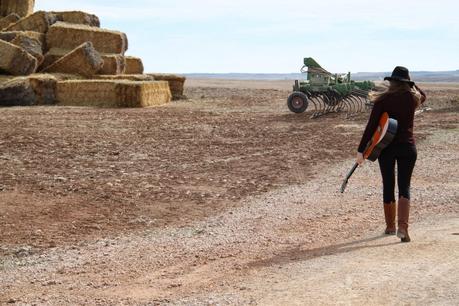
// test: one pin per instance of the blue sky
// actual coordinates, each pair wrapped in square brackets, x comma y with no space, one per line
[268,36]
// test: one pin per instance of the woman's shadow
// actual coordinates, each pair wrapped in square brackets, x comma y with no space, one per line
[300,254]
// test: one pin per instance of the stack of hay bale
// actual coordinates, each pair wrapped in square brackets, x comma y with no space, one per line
[65,58]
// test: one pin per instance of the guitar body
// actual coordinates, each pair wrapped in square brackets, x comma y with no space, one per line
[382,137]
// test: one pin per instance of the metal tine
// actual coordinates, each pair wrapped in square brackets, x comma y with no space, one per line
[316,107]
[312,99]
[362,104]
[359,104]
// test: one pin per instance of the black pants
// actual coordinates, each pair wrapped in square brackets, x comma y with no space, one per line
[405,155]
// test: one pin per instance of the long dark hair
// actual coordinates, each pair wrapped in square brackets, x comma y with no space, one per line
[395,87]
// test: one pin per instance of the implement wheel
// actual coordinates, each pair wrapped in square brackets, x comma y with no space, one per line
[297,102]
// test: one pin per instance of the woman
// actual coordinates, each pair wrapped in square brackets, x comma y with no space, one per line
[400,101]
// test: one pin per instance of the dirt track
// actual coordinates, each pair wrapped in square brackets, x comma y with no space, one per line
[205,201]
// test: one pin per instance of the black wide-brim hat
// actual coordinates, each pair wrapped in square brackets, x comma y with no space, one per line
[400,74]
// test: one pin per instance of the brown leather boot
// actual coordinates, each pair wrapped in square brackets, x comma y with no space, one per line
[389,213]
[403,217]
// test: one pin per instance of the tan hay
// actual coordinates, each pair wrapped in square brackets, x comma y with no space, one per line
[9,36]
[22,8]
[5,78]
[66,76]
[125,77]
[78,17]
[83,60]
[31,45]
[15,60]
[113,64]
[52,56]
[68,36]
[44,86]
[17,92]
[6,21]
[104,93]
[36,89]
[176,83]
[37,22]
[134,65]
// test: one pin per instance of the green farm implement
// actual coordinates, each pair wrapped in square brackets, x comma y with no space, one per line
[328,92]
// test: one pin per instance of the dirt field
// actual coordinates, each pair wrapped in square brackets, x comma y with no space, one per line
[226,198]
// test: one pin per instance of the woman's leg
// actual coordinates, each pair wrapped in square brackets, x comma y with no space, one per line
[387,167]
[406,160]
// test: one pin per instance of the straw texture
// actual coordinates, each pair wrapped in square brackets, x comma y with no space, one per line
[126,77]
[78,17]
[113,64]
[68,36]
[37,22]
[134,65]
[83,60]
[6,21]
[17,92]
[22,8]
[9,36]
[176,83]
[52,56]
[104,93]
[31,45]
[44,87]
[15,60]
[36,89]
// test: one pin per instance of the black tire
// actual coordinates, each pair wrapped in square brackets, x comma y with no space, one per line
[297,102]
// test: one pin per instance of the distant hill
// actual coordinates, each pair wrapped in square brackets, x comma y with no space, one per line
[419,76]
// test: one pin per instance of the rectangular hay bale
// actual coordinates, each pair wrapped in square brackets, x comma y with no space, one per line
[69,36]
[78,17]
[83,60]
[31,45]
[17,92]
[15,60]
[112,93]
[9,36]
[37,22]
[22,8]
[36,89]
[134,65]
[176,83]
[6,21]
[113,64]
[44,86]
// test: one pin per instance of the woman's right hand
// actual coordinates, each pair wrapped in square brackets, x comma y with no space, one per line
[360,159]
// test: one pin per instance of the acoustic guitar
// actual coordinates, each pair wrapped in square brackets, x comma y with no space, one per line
[382,137]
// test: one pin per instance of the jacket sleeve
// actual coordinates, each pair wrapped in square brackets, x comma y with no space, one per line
[423,94]
[371,126]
